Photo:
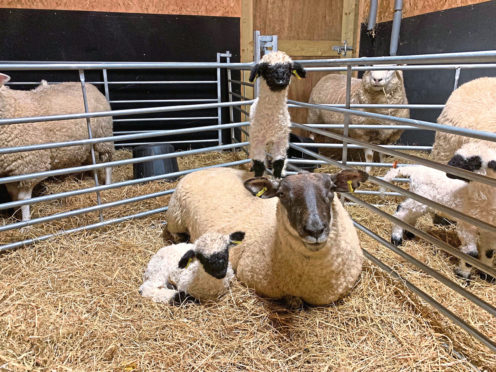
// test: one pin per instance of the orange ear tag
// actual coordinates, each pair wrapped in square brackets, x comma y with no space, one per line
[395,164]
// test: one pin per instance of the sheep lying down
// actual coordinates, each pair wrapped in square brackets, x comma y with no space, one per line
[300,242]
[201,270]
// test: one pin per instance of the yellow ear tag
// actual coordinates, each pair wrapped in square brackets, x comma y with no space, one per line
[188,263]
[237,242]
[296,74]
[261,192]
[350,187]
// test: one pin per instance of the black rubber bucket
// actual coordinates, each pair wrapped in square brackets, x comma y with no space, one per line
[295,154]
[154,167]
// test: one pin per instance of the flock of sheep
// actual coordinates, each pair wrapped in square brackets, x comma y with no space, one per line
[286,237]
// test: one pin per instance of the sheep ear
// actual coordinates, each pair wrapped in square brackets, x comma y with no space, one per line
[254,72]
[236,238]
[399,75]
[4,79]
[186,259]
[348,180]
[492,165]
[298,70]
[262,187]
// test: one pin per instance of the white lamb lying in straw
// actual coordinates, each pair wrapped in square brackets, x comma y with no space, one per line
[456,194]
[375,87]
[201,270]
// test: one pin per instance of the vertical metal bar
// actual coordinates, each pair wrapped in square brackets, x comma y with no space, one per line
[457,77]
[229,94]
[90,136]
[274,43]
[219,99]
[105,84]
[346,115]
[256,58]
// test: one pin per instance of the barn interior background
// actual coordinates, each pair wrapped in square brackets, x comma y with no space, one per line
[69,293]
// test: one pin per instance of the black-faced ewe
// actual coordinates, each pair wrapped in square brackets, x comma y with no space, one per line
[375,87]
[300,243]
[269,116]
[65,98]
[201,270]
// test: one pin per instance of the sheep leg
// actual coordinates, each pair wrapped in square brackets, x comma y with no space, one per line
[487,247]
[158,292]
[369,158]
[175,226]
[409,211]
[468,237]
[257,155]
[21,193]
[278,153]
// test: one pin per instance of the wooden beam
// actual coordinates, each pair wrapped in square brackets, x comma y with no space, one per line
[246,31]
[349,24]
[309,48]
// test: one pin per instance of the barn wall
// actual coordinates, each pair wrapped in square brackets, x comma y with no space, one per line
[462,29]
[411,8]
[218,8]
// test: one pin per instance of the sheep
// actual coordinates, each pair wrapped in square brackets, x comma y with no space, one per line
[269,116]
[64,98]
[454,193]
[472,106]
[300,242]
[478,199]
[201,270]
[375,87]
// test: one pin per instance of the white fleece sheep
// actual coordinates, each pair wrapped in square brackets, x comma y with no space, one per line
[201,270]
[65,98]
[472,105]
[269,115]
[375,87]
[300,242]
[436,186]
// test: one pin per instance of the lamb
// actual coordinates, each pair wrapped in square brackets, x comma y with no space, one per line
[64,98]
[478,199]
[201,270]
[434,185]
[300,243]
[472,106]
[375,87]
[269,115]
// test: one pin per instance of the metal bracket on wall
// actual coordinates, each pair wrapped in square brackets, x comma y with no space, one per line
[342,49]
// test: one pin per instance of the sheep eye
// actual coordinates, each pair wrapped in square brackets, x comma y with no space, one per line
[280,194]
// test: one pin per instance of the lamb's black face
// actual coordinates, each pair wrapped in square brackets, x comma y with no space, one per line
[277,76]
[215,264]
[471,164]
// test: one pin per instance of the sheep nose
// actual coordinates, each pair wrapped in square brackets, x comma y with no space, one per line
[377,80]
[314,228]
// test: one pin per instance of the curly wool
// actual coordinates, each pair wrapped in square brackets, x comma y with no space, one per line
[272,258]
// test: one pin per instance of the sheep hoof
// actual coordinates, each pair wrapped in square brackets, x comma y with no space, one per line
[258,168]
[462,274]
[407,235]
[293,302]
[396,241]
[488,278]
[442,221]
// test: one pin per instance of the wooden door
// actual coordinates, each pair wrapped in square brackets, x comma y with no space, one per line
[306,29]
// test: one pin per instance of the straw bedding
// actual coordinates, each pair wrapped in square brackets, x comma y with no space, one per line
[72,303]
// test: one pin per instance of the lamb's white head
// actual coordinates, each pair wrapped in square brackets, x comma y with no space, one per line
[212,251]
[377,80]
[475,156]
[276,68]
[306,201]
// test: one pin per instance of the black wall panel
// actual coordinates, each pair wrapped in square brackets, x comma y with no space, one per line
[463,29]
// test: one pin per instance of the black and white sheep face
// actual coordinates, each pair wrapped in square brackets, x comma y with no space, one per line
[307,199]
[379,79]
[278,75]
[474,157]
[213,257]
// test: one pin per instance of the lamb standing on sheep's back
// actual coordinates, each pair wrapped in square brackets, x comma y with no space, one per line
[375,87]
[64,98]
[300,242]
[269,116]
